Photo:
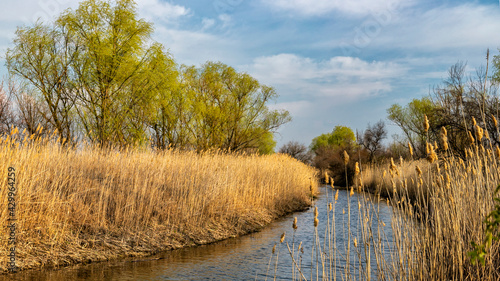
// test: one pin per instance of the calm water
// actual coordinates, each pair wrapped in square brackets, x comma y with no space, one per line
[243,258]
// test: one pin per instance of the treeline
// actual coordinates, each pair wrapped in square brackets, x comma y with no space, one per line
[326,152]
[467,107]
[96,75]
[464,105]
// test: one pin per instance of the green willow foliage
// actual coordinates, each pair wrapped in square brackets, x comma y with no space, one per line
[491,232]
[100,77]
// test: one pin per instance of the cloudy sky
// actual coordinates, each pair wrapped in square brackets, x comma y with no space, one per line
[333,62]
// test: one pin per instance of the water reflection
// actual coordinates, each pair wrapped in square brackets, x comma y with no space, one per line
[243,258]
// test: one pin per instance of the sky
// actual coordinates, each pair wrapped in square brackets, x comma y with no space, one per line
[332,62]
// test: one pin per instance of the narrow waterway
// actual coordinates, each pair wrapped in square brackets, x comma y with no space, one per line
[248,257]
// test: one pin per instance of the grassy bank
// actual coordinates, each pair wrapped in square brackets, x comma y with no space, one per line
[439,208]
[85,205]
[444,203]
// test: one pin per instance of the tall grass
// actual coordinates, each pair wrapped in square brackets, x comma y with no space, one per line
[90,204]
[439,209]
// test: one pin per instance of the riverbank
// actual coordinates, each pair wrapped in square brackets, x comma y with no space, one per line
[445,200]
[89,205]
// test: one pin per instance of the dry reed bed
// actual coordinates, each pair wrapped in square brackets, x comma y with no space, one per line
[442,203]
[89,204]
[439,209]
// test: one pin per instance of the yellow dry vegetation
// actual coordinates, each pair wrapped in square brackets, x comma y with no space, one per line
[87,204]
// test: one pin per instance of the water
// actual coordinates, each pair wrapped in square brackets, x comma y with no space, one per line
[243,258]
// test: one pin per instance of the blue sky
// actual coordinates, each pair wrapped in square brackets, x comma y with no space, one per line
[333,62]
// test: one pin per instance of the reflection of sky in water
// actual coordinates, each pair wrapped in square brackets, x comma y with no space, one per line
[243,258]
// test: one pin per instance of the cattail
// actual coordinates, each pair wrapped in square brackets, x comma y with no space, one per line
[479,133]
[294,225]
[330,206]
[486,135]
[316,221]
[352,192]
[462,163]
[494,120]
[274,248]
[282,237]
[392,167]
[471,138]
[337,195]
[384,173]
[497,152]
[356,169]
[355,242]
[410,148]
[346,158]
[419,172]
[444,138]
[444,132]
[426,124]
[431,154]
[474,123]
[331,182]
[327,178]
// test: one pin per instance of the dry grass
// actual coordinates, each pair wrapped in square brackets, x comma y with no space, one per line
[438,214]
[88,204]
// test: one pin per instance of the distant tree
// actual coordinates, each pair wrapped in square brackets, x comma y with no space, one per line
[7,117]
[329,150]
[452,105]
[340,136]
[411,121]
[297,150]
[373,137]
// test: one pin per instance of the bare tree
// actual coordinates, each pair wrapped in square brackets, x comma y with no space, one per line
[373,137]
[7,117]
[297,150]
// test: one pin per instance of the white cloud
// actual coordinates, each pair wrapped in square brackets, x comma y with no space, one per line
[207,23]
[225,19]
[321,7]
[345,78]
[458,27]
[29,11]
[299,108]
[161,10]
[195,47]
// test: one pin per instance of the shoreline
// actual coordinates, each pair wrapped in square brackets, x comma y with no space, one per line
[93,205]
[175,241]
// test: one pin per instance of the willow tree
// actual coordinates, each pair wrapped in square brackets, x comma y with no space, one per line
[96,66]
[42,56]
[231,109]
[111,70]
